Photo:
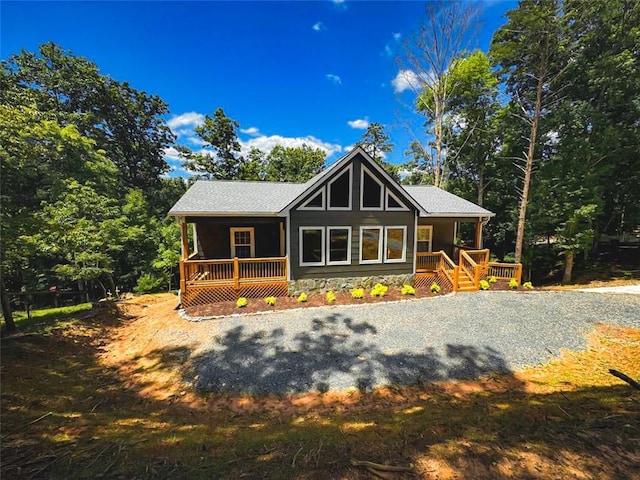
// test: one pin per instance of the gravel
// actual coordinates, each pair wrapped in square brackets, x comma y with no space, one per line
[451,337]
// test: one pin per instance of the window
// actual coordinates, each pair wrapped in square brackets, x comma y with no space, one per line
[392,202]
[311,246]
[424,238]
[340,191]
[242,245]
[371,191]
[370,244]
[314,203]
[395,244]
[339,246]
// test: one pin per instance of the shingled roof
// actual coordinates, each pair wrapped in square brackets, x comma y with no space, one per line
[438,202]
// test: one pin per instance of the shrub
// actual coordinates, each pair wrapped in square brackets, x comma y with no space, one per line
[357,293]
[527,285]
[513,284]
[242,302]
[435,288]
[379,290]
[271,301]
[408,290]
[302,297]
[150,283]
[331,297]
[484,285]
[492,279]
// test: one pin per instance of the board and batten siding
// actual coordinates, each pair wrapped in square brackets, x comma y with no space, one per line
[355,218]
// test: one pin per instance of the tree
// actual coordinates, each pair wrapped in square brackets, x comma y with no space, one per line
[529,50]
[224,161]
[294,164]
[430,53]
[419,167]
[375,142]
[254,166]
[126,123]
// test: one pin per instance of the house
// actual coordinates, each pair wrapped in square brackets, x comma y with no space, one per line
[350,225]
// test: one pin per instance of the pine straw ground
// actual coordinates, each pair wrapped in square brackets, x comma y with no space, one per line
[93,398]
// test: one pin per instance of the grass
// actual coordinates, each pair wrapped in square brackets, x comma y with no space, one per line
[68,412]
[47,318]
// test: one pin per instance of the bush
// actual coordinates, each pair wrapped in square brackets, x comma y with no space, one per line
[492,279]
[435,288]
[527,285]
[513,284]
[302,297]
[379,290]
[271,301]
[242,302]
[408,290]
[484,285]
[357,293]
[331,297]
[150,283]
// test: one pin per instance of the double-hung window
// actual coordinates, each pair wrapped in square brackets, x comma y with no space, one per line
[242,242]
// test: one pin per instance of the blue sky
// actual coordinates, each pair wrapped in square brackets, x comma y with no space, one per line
[288,72]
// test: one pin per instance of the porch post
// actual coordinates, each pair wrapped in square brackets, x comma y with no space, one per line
[478,240]
[184,236]
[282,239]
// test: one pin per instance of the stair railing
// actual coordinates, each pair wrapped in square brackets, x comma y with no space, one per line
[448,267]
[470,267]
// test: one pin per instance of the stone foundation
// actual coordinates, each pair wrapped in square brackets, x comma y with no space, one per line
[323,285]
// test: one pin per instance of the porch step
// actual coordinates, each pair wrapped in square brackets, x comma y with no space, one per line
[465,284]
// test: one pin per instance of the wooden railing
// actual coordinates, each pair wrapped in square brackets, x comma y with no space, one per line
[233,271]
[505,271]
[427,261]
[470,267]
[449,269]
[481,257]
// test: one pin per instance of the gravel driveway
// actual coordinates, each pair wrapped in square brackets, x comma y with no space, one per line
[452,337]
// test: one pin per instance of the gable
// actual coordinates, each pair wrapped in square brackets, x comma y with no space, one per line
[353,183]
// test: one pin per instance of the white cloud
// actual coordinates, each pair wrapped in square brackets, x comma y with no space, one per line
[319,26]
[340,3]
[266,143]
[408,79]
[171,155]
[189,119]
[253,131]
[360,123]
[334,78]
[397,36]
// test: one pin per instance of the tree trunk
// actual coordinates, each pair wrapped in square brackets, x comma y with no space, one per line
[437,177]
[527,172]
[568,267]
[480,199]
[6,305]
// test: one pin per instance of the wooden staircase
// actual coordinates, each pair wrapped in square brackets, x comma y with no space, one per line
[465,283]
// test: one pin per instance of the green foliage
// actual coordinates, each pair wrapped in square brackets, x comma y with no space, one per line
[150,283]
[331,297]
[242,302]
[492,279]
[294,164]
[527,286]
[357,293]
[302,297]
[484,285]
[271,301]
[407,290]
[435,288]
[513,284]
[379,290]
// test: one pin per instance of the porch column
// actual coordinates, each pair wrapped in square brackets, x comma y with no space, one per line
[282,240]
[184,236]
[478,239]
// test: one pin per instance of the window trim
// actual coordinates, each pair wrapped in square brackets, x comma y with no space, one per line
[404,243]
[328,256]
[364,170]
[320,192]
[252,243]
[380,242]
[349,169]
[301,261]
[426,227]
[401,208]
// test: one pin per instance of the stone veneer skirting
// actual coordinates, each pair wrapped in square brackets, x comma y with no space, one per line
[323,285]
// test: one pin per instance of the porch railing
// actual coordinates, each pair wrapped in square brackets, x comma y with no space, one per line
[427,261]
[505,271]
[470,267]
[233,271]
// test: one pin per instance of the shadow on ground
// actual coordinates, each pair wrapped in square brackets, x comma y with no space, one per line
[336,353]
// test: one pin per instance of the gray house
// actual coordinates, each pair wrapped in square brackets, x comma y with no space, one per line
[350,225]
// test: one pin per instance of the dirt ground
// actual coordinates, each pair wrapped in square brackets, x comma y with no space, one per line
[100,398]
